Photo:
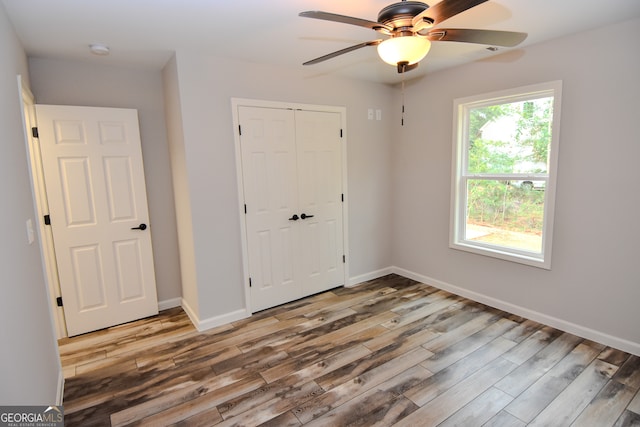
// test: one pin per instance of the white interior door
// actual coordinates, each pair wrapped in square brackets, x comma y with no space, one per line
[271,196]
[319,148]
[292,165]
[92,164]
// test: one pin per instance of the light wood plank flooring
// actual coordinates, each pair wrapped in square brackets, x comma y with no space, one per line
[389,352]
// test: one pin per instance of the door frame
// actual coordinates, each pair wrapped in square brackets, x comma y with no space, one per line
[47,250]
[243,102]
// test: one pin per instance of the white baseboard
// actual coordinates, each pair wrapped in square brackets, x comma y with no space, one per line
[169,303]
[356,280]
[563,325]
[60,394]
[192,314]
[212,322]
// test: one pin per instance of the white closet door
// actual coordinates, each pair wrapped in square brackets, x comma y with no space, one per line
[271,198]
[319,147]
[292,177]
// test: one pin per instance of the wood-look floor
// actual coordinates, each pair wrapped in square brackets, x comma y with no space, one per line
[389,352]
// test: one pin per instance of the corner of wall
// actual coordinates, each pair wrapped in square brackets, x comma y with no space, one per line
[175,136]
[212,322]
[60,394]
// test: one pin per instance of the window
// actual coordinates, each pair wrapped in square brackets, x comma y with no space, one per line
[505,156]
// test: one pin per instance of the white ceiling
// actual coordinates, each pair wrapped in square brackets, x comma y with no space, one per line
[145,33]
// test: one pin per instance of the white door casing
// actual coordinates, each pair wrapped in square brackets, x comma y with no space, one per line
[291,164]
[95,183]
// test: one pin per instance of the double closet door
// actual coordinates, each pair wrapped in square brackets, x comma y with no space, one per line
[292,179]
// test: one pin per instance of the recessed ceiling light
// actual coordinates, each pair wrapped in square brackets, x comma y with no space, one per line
[99,49]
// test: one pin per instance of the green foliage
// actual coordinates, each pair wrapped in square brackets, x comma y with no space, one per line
[505,206]
[499,203]
[534,127]
[481,116]
[529,142]
[484,159]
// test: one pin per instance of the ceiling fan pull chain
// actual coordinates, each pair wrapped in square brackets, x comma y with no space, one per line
[402,119]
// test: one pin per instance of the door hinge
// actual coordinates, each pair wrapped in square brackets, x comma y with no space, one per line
[342,197]
[59,301]
[340,133]
[344,259]
[245,208]
[47,220]
[249,281]
[240,130]
[34,132]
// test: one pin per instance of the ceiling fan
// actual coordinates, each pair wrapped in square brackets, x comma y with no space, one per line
[411,27]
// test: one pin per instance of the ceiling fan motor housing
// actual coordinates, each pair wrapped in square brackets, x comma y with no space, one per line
[399,15]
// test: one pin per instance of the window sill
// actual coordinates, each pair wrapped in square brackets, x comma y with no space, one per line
[530,259]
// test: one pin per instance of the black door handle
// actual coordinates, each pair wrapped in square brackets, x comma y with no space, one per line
[303,216]
[294,218]
[140,227]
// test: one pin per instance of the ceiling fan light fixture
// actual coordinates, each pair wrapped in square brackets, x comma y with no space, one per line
[409,49]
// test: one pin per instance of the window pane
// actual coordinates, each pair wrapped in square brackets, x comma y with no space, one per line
[510,138]
[505,213]
[504,176]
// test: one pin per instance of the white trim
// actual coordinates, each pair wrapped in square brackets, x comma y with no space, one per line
[212,322]
[192,314]
[37,190]
[169,303]
[42,208]
[223,319]
[235,104]
[563,325]
[60,394]
[460,175]
[345,202]
[358,280]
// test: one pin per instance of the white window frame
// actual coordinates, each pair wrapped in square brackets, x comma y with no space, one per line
[460,176]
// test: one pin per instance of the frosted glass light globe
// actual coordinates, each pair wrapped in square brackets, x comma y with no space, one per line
[411,49]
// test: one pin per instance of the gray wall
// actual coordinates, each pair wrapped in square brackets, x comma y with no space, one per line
[206,86]
[29,363]
[594,280]
[63,82]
